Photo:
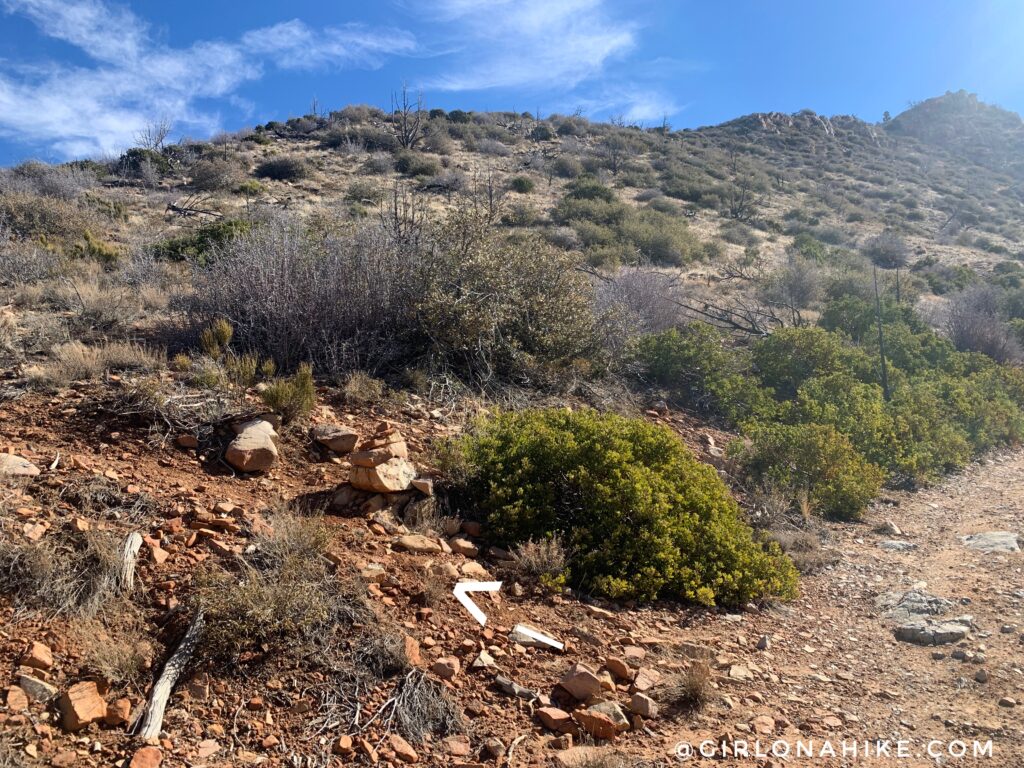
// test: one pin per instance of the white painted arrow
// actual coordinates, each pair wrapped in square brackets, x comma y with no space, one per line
[467,602]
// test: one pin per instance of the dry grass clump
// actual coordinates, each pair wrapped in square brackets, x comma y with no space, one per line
[381,652]
[75,361]
[804,549]
[60,575]
[8,332]
[539,561]
[122,656]
[688,691]
[284,598]
[98,498]
[362,389]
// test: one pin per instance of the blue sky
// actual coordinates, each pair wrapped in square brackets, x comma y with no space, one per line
[81,77]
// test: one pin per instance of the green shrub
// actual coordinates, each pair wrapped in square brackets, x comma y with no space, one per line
[521,184]
[638,514]
[790,356]
[282,169]
[704,372]
[542,132]
[811,459]
[416,163]
[292,398]
[512,306]
[200,244]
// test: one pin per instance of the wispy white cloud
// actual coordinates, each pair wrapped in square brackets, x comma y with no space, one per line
[98,109]
[527,43]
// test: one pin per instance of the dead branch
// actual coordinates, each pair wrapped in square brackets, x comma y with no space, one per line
[149,724]
[129,557]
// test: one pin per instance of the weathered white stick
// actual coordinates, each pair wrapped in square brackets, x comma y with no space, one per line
[150,723]
[129,557]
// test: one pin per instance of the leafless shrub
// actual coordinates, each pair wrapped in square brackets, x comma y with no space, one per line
[379,163]
[689,690]
[8,332]
[646,297]
[346,309]
[381,652]
[974,323]
[423,516]
[492,147]
[215,173]
[804,549]
[423,707]
[63,182]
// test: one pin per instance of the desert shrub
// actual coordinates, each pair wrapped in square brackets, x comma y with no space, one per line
[282,598]
[365,191]
[212,174]
[521,184]
[492,147]
[215,337]
[699,367]
[542,132]
[788,357]
[975,323]
[513,307]
[282,169]
[144,164]
[63,182]
[814,459]
[413,163]
[566,167]
[292,398]
[641,517]
[30,216]
[439,143]
[804,549]
[61,575]
[378,164]
[455,293]
[201,244]
[346,309]
[541,561]
[362,389]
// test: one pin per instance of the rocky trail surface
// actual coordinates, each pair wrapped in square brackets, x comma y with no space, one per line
[914,632]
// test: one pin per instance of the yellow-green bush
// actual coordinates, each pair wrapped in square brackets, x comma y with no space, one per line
[294,397]
[639,516]
[814,459]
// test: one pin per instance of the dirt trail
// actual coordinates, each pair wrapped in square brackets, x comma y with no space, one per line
[841,674]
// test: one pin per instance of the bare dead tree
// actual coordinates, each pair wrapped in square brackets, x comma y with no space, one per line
[407,118]
[154,135]
[888,251]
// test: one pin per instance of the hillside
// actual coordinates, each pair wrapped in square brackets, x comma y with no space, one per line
[733,413]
